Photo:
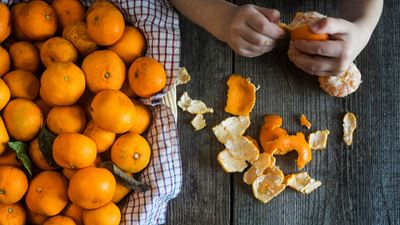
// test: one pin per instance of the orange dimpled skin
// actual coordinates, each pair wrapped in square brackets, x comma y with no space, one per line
[38,20]
[57,49]
[103,138]
[66,119]
[13,184]
[16,28]
[131,153]
[5,22]
[105,215]
[304,32]
[68,11]
[103,70]
[4,138]
[75,212]
[23,119]
[4,61]
[77,34]
[92,187]
[147,77]
[62,83]
[5,94]
[22,84]
[12,214]
[241,96]
[74,151]
[37,156]
[47,193]
[35,218]
[60,220]
[9,158]
[131,45]
[113,111]
[105,24]
[143,118]
[25,56]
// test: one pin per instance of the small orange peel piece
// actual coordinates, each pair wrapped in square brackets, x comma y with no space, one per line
[257,169]
[304,121]
[241,96]
[317,140]
[268,185]
[198,122]
[349,126]
[271,130]
[289,143]
[231,127]
[302,182]
[230,163]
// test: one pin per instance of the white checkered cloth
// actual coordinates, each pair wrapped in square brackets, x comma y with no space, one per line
[160,25]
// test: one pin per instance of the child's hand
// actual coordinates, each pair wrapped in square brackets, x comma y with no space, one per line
[252,30]
[332,57]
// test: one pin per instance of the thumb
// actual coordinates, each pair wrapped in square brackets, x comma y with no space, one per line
[273,15]
[330,25]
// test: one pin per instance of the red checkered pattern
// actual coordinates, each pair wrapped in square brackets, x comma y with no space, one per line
[160,25]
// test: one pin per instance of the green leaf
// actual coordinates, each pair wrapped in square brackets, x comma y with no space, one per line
[124,178]
[45,141]
[22,154]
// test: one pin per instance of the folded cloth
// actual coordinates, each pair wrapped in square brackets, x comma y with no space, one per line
[160,25]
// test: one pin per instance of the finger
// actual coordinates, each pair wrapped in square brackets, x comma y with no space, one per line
[273,15]
[331,25]
[315,65]
[260,24]
[322,48]
[245,44]
[255,38]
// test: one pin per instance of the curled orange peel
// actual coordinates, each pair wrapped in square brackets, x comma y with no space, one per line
[304,121]
[271,130]
[289,143]
[241,96]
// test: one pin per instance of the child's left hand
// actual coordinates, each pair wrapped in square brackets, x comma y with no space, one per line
[332,57]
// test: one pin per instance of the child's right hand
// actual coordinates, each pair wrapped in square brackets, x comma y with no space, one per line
[253,30]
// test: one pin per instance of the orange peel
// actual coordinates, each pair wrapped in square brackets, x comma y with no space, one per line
[304,121]
[349,126]
[302,182]
[318,139]
[271,130]
[300,27]
[289,143]
[241,96]
[268,185]
[257,169]
[230,163]
[198,122]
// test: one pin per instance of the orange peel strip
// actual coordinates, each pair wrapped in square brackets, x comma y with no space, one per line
[304,121]
[241,96]
[271,130]
[289,143]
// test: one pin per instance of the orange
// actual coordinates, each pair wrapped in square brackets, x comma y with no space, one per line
[105,24]
[35,218]
[5,22]
[113,111]
[66,119]
[143,118]
[100,3]
[91,187]
[130,46]
[146,77]
[57,49]
[68,11]
[44,107]
[37,157]
[131,153]
[103,70]
[25,56]
[47,193]
[62,83]
[16,28]
[103,138]
[22,84]
[23,119]
[5,94]
[73,150]
[9,158]
[13,214]
[38,20]
[106,215]
[13,184]
[304,32]
[60,220]
[4,138]
[75,212]
[120,192]
[77,34]
[68,173]
[4,61]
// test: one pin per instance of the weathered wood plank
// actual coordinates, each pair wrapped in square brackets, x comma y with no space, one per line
[360,184]
[205,196]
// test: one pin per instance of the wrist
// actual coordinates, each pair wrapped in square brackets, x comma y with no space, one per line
[218,24]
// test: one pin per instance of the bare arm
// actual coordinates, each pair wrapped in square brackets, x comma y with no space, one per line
[249,30]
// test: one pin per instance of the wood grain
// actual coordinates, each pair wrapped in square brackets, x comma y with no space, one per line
[360,183]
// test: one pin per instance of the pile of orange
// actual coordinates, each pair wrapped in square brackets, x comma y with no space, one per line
[73,72]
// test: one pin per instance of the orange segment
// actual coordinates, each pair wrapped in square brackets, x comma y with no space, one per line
[241,96]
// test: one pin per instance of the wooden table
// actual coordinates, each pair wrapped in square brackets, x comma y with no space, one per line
[361,184]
